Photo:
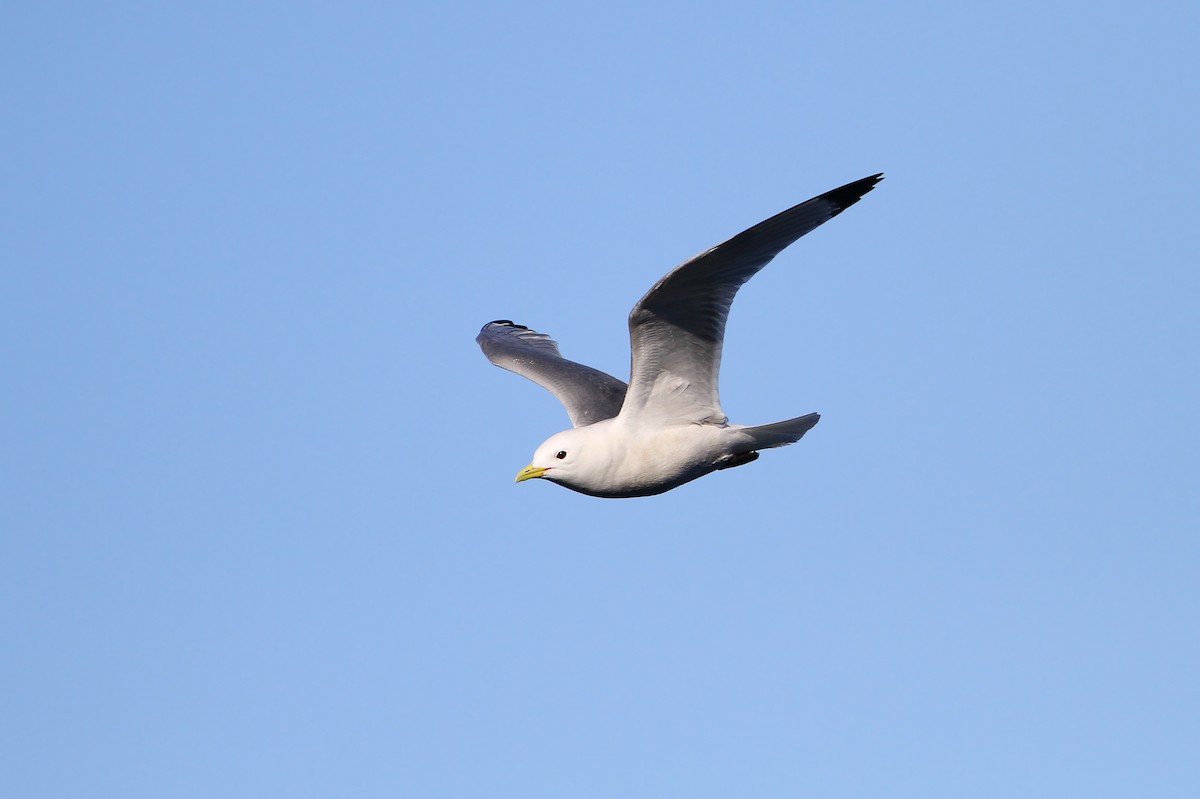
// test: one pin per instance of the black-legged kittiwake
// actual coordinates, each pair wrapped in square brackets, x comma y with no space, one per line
[666,427]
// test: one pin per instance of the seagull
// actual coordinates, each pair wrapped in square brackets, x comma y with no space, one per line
[666,427]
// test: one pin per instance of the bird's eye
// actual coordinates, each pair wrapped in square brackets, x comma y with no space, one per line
[562,453]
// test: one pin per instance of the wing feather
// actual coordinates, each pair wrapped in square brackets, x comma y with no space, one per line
[677,329]
[588,394]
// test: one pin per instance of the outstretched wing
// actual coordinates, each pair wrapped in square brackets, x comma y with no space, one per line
[677,329]
[588,394]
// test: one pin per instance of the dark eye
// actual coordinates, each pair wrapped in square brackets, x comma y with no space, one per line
[562,453]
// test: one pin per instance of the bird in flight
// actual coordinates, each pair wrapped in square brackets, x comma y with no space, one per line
[666,427]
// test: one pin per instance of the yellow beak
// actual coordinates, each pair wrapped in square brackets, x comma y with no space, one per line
[530,472]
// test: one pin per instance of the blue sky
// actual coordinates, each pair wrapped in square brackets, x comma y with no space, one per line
[260,535]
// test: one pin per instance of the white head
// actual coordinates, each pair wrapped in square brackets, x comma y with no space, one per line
[578,459]
[556,458]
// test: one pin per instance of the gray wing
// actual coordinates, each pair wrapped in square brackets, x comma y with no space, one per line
[677,329]
[588,394]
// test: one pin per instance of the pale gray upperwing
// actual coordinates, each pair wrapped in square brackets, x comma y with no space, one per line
[677,329]
[588,394]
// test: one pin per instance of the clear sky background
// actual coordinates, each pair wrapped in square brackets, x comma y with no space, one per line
[260,536]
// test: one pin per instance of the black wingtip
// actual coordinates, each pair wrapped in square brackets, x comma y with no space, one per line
[846,196]
[506,323]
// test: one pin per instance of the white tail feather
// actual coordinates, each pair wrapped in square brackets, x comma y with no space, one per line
[779,434]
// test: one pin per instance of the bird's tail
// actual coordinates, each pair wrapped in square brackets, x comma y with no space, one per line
[780,434]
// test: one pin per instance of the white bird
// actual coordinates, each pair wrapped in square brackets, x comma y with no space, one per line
[666,427]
